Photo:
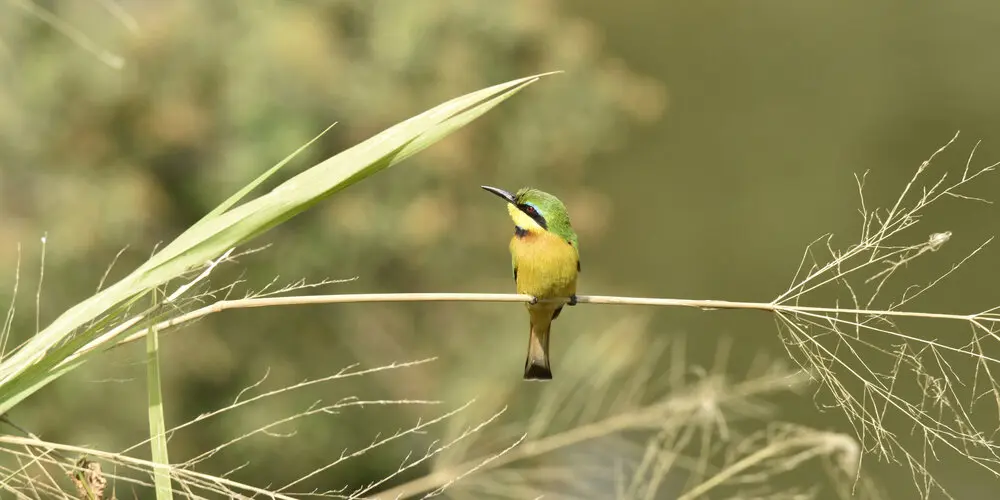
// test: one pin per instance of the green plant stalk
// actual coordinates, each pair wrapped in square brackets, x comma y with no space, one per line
[41,360]
[157,427]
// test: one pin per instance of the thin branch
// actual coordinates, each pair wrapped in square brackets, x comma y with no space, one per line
[224,305]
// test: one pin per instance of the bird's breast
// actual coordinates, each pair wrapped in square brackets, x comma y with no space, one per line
[546,264]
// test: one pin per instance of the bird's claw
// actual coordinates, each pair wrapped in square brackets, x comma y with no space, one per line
[572,300]
[533,301]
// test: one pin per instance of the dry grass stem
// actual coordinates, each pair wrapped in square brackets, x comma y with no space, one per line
[989,316]
[70,32]
[587,407]
[915,385]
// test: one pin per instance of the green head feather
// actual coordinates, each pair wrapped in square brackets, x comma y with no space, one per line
[552,213]
[533,209]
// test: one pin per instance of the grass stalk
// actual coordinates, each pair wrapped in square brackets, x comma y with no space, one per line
[675,411]
[157,426]
[774,449]
[705,304]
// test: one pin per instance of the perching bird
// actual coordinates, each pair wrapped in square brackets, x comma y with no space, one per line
[546,261]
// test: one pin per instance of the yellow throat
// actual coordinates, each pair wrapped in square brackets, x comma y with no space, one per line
[522,220]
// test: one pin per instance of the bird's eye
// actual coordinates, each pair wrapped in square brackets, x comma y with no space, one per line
[530,210]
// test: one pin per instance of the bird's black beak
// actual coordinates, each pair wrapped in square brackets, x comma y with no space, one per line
[501,193]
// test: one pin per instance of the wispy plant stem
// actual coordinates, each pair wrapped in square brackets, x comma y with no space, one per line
[679,408]
[706,304]
[774,449]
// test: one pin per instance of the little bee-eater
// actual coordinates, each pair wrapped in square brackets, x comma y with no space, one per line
[546,261]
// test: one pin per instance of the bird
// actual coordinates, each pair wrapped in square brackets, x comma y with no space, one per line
[545,257]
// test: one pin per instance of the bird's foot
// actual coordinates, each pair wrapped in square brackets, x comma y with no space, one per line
[572,300]
[533,301]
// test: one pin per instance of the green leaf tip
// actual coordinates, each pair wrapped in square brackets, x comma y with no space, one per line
[60,347]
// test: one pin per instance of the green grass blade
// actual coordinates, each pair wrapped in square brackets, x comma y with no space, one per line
[157,427]
[239,195]
[28,369]
[295,195]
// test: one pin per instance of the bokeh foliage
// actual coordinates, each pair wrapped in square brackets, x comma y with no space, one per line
[774,106]
[100,158]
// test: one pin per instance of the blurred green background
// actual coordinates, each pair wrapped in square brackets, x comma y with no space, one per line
[700,146]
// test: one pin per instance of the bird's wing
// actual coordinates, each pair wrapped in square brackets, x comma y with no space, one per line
[573,243]
[572,240]
[513,264]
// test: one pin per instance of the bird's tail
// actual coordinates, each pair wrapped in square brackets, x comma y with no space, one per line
[536,367]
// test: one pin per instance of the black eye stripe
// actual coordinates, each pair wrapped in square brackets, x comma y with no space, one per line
[533,213]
